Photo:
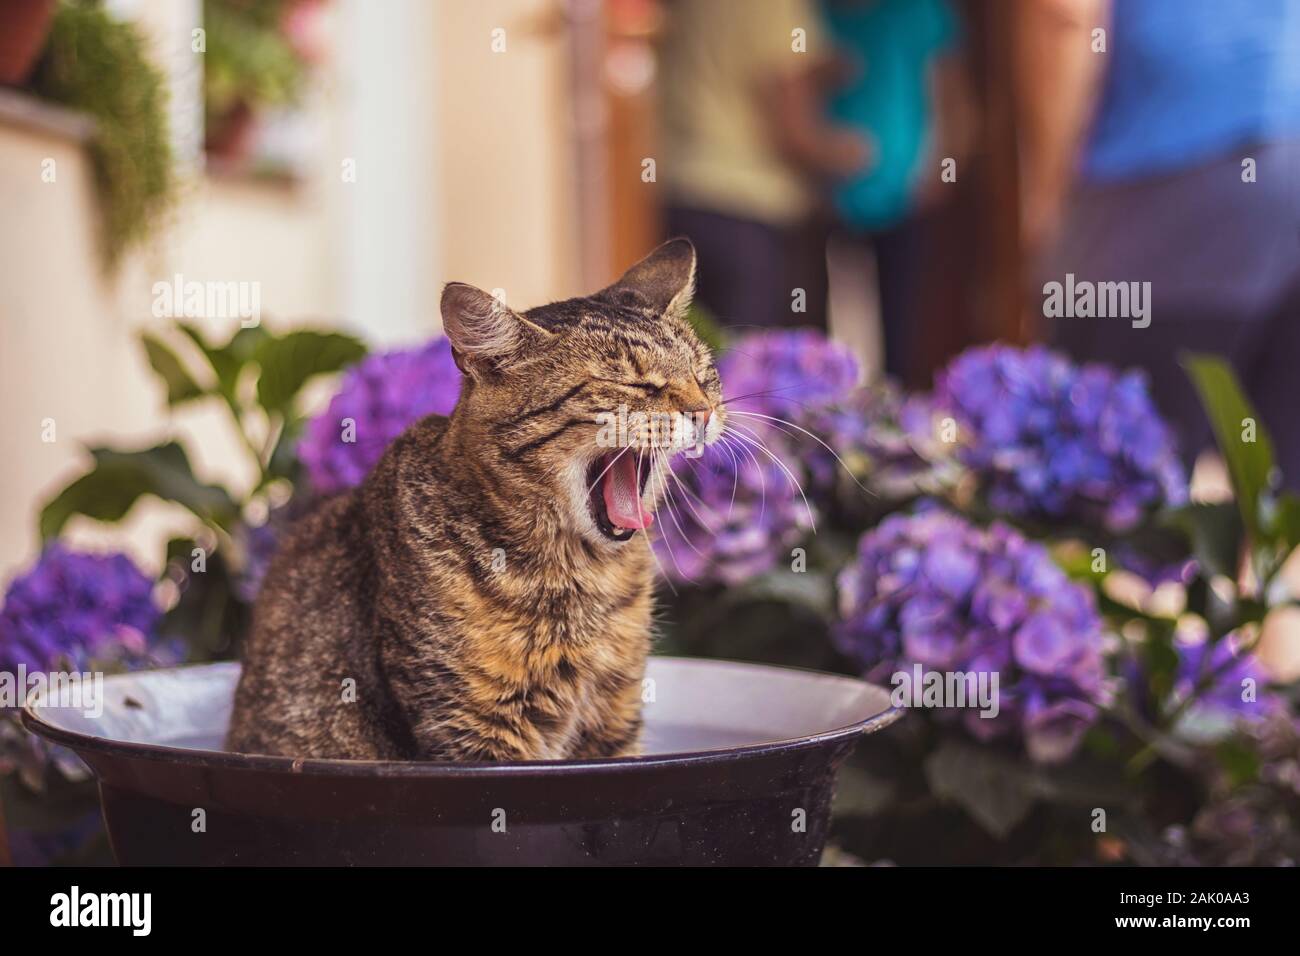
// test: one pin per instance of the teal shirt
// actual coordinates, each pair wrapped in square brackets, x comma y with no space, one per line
[891,45]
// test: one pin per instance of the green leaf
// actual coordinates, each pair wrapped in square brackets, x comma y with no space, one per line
[284,462]
[997,792]
[210,616]
[228,360]
[119,478]
[1285,526]
[289,361]
[106,494]
[1240,761]
[812,589]
[181,386]
[859,792]
[706,327]
[1215,532]
[1250,463]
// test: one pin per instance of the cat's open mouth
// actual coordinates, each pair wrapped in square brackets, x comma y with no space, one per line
[617,483]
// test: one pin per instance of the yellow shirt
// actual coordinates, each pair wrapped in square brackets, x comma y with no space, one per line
[717,151]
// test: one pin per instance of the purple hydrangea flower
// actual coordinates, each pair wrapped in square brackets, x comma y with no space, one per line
[259,544]
[930,589]
[1226,684]
[735,514]
[885,439]
[382,394]
[785,373]
[739,509]
[71,609]
[1059,441]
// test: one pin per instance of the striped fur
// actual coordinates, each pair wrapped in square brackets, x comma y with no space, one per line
[464,591]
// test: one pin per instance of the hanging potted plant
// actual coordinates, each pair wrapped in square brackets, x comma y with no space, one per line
[99,65]
[250,65]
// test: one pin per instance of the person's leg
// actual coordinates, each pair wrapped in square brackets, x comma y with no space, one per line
[1217,257]
[741,273]
[1268,362]
[806,270]
[897,266]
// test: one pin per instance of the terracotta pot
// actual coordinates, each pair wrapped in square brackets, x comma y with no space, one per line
[230,137]
[24,25]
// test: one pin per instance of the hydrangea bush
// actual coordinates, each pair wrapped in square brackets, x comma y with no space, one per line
[733,517]
[888,442]
[734,512]
[377,399]
[934,590]
[1058,441]
[73,610]
[784,373]
[838,526]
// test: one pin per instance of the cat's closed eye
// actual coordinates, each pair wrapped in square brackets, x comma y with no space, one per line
[647,387]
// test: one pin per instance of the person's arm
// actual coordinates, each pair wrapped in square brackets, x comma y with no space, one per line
[789,88]
[792,102]
[1058,79]
[956,118]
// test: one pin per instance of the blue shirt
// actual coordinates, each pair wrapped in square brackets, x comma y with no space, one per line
[1188,81]
[890,45]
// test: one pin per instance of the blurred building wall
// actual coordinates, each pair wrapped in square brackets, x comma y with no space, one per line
[493,207]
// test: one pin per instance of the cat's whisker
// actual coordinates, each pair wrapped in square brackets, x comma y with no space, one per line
[663,575]
[781,421]
[745,443]
[767,393]
[640,505]
[762,477]
[674,516]
[688,494]
[735,473]
[666,539]
[592,486]
[812,520]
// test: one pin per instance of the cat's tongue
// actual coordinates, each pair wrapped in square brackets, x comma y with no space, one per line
[622,491]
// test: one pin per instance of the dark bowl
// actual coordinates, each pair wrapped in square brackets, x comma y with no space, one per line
[739,768]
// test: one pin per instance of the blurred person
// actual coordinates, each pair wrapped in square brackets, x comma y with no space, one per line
[1172,158]
[746,149]
[906,94]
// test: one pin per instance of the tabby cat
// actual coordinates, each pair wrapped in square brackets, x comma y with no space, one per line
[485,594]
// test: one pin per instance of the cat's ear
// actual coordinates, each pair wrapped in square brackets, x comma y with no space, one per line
[663,281]
[486,335]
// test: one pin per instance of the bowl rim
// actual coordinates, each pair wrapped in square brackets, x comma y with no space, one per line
[341,767]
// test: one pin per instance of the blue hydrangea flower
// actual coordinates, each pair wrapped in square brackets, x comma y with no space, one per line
[933,590]
[1058,441]
[73,609]
[382,394]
